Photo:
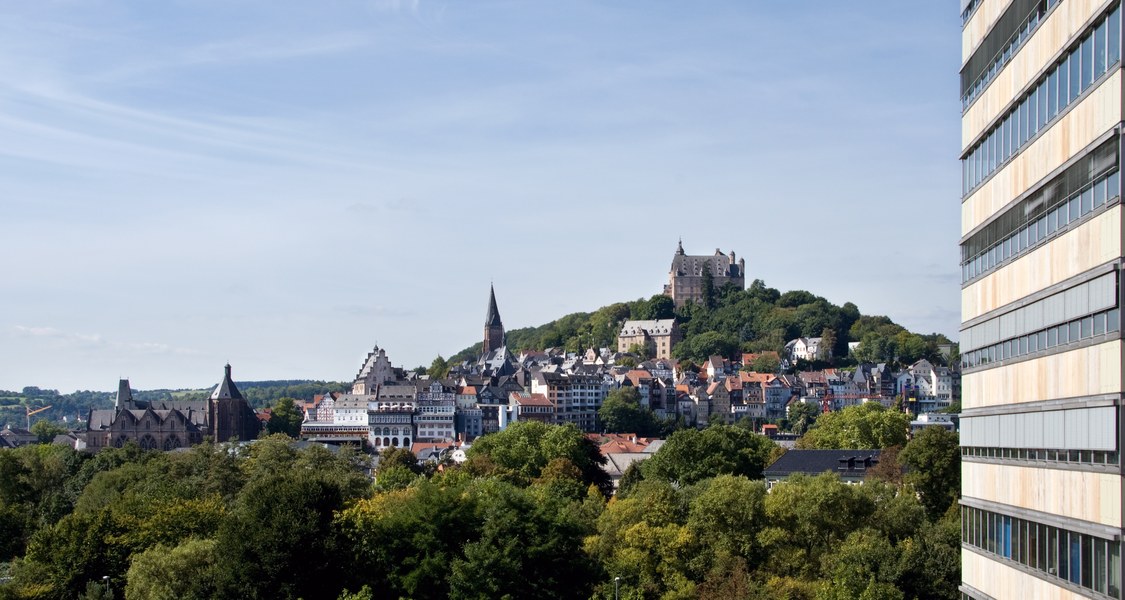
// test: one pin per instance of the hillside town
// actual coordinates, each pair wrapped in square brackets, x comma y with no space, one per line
[393,407]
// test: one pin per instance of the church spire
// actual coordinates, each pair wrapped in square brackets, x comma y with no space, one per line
[493,327]
[680,247]
[493,317]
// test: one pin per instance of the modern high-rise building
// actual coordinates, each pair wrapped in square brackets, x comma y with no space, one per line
[1041,254]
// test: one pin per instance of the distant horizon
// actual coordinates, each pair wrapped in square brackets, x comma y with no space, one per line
[289,184]
[390,354]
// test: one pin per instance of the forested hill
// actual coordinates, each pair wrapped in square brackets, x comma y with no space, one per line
[731,321]
[76,405]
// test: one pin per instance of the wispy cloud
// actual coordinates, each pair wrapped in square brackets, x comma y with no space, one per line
[96,340]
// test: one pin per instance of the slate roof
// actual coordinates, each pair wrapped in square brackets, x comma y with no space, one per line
[651,327]
[846,463]
[226,389]
[492,319]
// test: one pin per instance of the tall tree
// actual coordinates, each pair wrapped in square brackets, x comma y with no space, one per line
[286,418]
[933,460]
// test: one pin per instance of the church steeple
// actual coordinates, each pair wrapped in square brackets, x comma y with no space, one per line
[680,248]
[493,327]
[124,396]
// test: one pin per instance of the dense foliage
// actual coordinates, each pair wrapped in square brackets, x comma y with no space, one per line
[526,516]
[756,319]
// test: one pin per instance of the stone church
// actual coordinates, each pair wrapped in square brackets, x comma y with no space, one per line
[167,425]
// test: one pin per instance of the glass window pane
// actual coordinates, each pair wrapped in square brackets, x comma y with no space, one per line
[1099,324]
[1033,112]
[1099,193]
[1099,565]
[1111,189]
[1099,49]
[1114,35]
[1063,553]
[1087,327]
[1073,69]
[1112,320]
[1114,568]
[1087,201]
[1052,221]
[1075,331]
[1086,549]
[1074,209]
[1042,112]
[1053,94]
[1087,50]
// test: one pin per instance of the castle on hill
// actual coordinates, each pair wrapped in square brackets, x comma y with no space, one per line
[687,277]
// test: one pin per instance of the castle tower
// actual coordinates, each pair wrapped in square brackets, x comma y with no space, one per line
[493,327]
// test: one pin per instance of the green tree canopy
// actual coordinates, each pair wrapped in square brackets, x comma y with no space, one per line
[692,455]
[933,459]
[286,418]
[866,426]
[621,412]
[520,452]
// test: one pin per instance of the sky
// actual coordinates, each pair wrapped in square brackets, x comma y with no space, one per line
[282,184]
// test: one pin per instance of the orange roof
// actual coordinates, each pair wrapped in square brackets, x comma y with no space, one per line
[617,443]
[530,399]
[419,447]
[636,375]
[469,389]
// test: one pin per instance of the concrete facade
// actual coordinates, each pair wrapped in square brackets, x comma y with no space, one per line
[1041,344]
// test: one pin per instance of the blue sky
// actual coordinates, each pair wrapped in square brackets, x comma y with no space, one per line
[283,185]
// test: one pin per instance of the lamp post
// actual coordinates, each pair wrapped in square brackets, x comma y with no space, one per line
[616,582]
[105,578]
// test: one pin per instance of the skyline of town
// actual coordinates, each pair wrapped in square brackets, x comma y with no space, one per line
[292,187]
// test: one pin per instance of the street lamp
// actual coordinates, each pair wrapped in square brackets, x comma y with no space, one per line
[105,578]
[616,582]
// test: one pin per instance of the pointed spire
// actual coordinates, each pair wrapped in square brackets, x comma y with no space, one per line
[680,247]
[124,395]
[492,319]
[226,389]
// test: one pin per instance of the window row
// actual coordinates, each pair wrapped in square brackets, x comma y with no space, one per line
[970,8]
[1059,335]
[1047,196]
[1075,457]
[1072,75]
[1067,211]
[1080,300]
[1028,26]
[1082,559]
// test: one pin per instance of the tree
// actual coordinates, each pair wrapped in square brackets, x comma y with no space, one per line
[621,412]
[933,460]
[639,350]
[866,426]
[286,418]
[520,452]
[278,542]
[691,455]
[438,368]
[727,516]
[802,416]
[163,573]
[47,430]
[807,517]
[708,285]
[766,362]
[402,543]
[524,550]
